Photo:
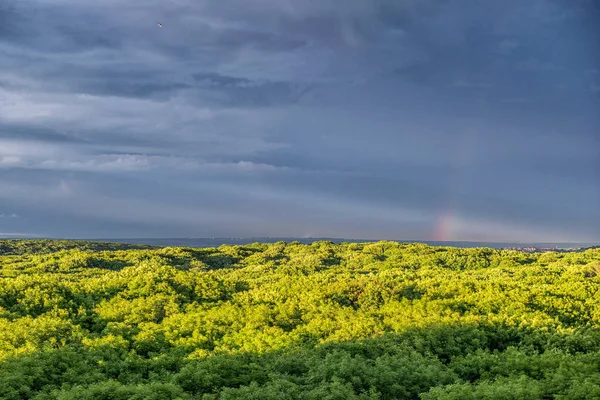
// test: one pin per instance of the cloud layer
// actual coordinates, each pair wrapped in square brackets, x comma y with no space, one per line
[453,120]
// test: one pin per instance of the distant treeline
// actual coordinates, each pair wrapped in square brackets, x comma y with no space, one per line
[41,246]
[294,321]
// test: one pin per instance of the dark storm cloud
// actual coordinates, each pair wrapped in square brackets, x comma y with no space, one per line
[283,118]
[241,91]
[8,131]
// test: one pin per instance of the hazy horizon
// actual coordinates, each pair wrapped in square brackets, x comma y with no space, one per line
[217,241]
[429,120]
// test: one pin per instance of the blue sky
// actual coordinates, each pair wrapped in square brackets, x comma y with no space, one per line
[403,119]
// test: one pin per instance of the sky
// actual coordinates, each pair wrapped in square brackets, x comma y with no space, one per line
[381,119]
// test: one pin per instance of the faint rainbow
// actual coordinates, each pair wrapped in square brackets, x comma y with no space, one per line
[446,227]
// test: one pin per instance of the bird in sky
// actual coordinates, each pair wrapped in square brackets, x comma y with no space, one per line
[159,25]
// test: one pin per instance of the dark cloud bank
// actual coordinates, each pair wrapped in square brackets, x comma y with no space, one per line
[451,120]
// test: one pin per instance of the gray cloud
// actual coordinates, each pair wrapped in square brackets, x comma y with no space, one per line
[507,46]
[376,119]
[13,215]
[474,85]
[533,64]
[250,93]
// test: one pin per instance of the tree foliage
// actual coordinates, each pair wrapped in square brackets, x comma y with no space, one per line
[293,321]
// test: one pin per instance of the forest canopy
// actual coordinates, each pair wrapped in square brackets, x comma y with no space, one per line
[383,320]
[31,246]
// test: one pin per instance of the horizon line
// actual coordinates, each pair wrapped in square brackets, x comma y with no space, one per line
[295,238]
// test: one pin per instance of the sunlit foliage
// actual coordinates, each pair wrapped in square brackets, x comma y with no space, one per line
[292,321]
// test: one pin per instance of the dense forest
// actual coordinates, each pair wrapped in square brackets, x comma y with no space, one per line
[293,321]
[40,246]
